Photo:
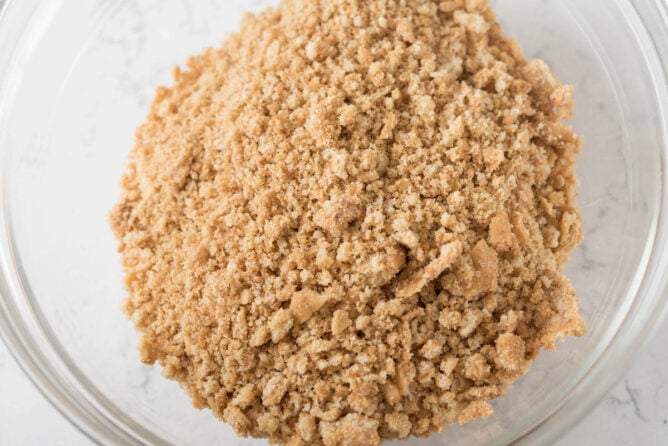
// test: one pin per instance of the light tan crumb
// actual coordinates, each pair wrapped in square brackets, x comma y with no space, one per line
[414,283]
[350,430]
[304,303]
[340,321]
[474,411]
[274,390]
[306,426]
[500,232]
[280,324]
[236,418]
[245,397]
[510,351]
[260,336]
[472,21]
[391,393]
[399,423]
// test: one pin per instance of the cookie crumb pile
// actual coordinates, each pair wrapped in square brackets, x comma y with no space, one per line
[347,224]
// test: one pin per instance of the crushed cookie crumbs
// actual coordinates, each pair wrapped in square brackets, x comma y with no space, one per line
[347,224]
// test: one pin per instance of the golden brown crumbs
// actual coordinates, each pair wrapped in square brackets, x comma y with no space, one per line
[347,224]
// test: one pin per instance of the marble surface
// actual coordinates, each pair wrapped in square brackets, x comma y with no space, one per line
[635,412]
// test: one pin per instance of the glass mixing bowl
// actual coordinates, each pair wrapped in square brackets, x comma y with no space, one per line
[77,77]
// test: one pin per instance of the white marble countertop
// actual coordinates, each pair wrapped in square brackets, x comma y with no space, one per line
[635,412]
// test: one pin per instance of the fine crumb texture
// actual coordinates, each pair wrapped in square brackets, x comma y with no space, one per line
[348,223]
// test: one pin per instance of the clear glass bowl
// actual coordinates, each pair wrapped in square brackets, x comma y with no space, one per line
[77,77]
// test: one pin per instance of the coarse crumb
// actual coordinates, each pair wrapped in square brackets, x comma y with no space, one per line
[347,224]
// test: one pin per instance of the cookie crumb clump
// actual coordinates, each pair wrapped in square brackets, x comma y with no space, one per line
[347,224]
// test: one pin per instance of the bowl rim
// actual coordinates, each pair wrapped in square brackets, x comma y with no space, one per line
[78,404]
